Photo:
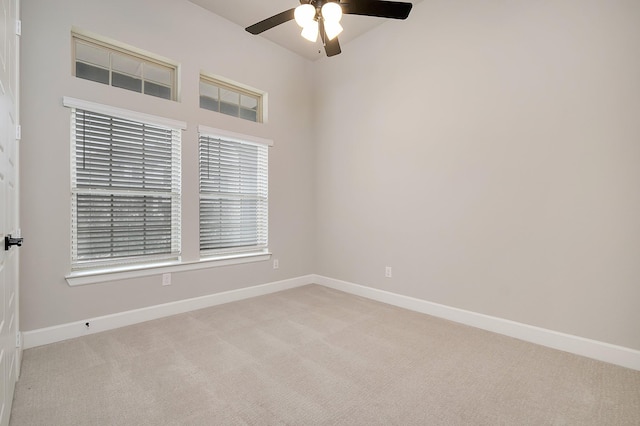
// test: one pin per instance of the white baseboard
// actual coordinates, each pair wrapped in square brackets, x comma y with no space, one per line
[619,355]
[71,330]
[594,349]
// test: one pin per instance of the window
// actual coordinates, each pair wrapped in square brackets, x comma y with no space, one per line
[98,61]
[233,194]
[125,178]
[230,99]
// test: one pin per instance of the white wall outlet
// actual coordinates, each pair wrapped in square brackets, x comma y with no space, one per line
[387,272]
[276,264]
[166,279]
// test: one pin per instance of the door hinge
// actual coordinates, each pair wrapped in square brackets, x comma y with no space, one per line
[18,27]
[18,339]
[18,132]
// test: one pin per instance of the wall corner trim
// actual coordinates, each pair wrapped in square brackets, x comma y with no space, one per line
[601,351]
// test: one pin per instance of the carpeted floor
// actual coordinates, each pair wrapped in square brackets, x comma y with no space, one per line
[315,356]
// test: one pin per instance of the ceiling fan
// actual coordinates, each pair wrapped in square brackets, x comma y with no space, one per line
[323,17]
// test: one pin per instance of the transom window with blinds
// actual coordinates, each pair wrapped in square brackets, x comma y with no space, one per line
[233,193]
[125,186]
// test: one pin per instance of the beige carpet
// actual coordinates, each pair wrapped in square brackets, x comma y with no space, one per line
[315,356]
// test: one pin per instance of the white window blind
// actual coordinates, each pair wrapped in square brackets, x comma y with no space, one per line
[125,190]
[233,196]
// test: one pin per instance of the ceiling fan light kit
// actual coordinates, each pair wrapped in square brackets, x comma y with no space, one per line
[310,31]
[323,17]
[304,14]
[331,12]
[332,29]
[307,17]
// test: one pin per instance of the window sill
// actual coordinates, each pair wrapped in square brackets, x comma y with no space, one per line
[94,276]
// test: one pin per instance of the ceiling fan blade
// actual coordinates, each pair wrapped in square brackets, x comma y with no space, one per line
[332,47]
[380,8]
[274,21]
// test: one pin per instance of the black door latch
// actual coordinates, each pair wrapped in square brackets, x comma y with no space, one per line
[11,241]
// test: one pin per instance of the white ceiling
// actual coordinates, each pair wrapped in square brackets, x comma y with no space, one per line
[287,35]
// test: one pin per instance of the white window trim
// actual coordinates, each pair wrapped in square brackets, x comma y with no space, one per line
[78,278]
[264,95]
[233,137]
[113,44]
[117,46]
[120,112]
[112,272]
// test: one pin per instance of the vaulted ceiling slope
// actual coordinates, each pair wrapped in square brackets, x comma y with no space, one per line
[248,12]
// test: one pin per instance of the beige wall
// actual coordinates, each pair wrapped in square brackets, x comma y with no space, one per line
[489,151]
[198,40]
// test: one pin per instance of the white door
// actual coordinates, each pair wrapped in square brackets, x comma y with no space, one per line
[9,199]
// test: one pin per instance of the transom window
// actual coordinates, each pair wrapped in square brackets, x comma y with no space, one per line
[230,99]
[233,194]
[98,61]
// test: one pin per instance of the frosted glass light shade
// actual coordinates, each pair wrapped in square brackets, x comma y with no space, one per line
[310,31]
[332,29]
[332,12]
[304,14]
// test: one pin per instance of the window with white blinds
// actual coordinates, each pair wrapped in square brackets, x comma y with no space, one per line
[125,201]
[233,196]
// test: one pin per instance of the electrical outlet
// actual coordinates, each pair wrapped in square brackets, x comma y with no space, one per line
[276,264]
[387,272]
[166,279]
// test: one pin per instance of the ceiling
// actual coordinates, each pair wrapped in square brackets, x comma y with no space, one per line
[287,35]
